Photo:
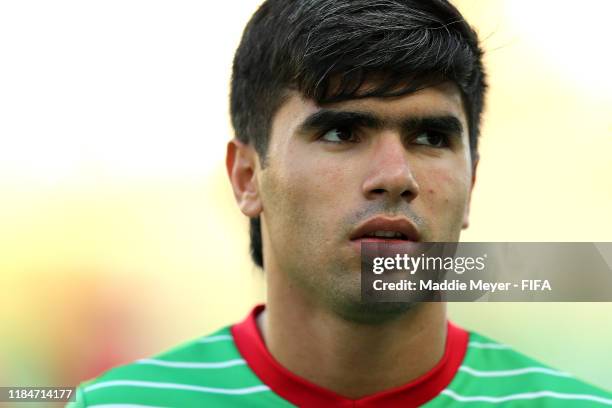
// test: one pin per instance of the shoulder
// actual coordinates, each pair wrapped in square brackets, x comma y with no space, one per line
[194,372]
[493,373]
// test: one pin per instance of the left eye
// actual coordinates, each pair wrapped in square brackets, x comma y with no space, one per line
[431,138]
[339,135]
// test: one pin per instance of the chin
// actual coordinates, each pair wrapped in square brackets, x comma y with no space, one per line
[372,313]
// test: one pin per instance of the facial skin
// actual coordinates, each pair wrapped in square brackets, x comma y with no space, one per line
[318,184]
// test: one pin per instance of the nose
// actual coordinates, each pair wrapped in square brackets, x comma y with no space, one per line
[390,173]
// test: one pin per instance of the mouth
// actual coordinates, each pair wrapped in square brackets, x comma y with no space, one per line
[384,229]
[383,236]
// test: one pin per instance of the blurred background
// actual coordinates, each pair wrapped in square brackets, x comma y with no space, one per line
[119,236]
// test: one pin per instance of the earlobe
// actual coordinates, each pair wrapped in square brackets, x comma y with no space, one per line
[466,213]
[241,165]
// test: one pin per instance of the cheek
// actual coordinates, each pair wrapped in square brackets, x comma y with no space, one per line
[319,183]
[445,188]
[304,195]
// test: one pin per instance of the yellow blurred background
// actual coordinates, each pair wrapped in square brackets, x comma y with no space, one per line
[119,236]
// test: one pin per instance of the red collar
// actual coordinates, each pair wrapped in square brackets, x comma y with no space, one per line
[302,393]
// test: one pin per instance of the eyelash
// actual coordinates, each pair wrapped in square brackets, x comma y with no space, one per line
[444,143]
[445,138]
[350,129]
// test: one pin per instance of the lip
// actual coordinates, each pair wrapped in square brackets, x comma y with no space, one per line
[381,223]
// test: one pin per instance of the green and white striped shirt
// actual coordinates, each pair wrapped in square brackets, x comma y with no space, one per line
[231,368]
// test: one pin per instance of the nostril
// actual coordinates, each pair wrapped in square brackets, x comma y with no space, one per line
[407,194]
[378,191]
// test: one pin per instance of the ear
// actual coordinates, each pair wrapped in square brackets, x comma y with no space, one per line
[241,164]
[466,213]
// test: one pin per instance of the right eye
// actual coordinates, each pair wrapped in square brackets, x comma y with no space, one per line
[339,135]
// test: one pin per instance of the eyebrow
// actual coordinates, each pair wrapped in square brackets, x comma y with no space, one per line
[326,119]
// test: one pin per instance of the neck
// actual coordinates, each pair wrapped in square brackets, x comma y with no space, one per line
[352,359]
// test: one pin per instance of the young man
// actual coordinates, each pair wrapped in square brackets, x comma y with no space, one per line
[356,121]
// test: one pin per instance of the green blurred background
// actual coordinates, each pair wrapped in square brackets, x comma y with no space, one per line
[119,237]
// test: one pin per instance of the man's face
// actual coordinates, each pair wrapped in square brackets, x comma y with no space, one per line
[331,169]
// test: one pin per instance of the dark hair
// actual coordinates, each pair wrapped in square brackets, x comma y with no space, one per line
[327,49]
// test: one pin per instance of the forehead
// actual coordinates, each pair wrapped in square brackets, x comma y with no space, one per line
[439,100]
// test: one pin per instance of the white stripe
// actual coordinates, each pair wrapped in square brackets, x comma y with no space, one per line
[187,364]
[185,387]
[122,406]
[524,396]
[214,339]
[512,373]
[495,346]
